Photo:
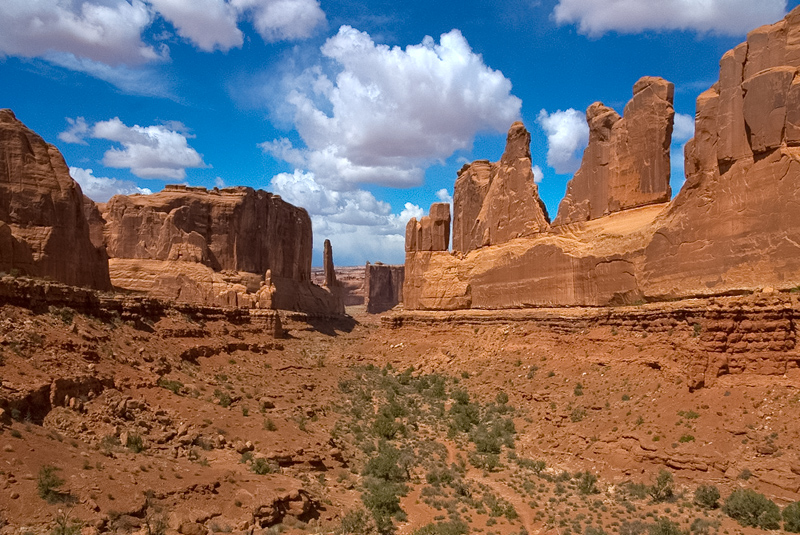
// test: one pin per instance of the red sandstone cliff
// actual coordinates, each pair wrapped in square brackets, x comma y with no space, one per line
[735,225]
[43,231]
[497,202]
[626,164]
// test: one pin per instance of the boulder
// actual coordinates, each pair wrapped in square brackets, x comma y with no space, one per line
[43,230]
[626,164]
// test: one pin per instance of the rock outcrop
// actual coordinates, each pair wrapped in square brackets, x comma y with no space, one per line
[431,232]
[234,247]
[238,228]
[43,231]
[383,286]
[734,227]
[497,202]
[626,164]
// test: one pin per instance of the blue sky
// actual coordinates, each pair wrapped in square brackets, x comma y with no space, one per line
[360,111]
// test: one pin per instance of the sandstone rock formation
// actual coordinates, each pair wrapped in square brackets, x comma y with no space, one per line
[327,263]
[497,202]
[734,227]
[43,231]
[229,229]
[234,247]
[383,286]
[626,164]
[432,232]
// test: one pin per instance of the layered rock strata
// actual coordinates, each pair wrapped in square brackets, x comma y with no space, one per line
[383,286]
[494,203]
[626,164]
[43,231]
[734,227]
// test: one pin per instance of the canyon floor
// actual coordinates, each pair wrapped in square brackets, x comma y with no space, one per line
[178,425]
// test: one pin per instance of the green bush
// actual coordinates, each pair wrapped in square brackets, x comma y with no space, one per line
[662,490]
[706,496]
[587,483]
[356,522]
[749,508]
[791,517]
[387,464]
[262,467]
[48,484]
[664,526]
[135,443]
[382,498]
[444,528]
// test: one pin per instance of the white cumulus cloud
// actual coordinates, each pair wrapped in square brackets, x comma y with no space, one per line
[101,189]
[538,174]
[76,132]
[683,128]
[108,31]
[361,227]
[567,137]
[148,151]
[390,112]
[729,17]
[444,196]
[213,24]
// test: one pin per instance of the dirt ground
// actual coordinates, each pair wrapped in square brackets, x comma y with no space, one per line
[184,426]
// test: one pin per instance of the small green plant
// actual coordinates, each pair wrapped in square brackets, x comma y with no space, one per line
[48,484]
[172,386]
[578,390]
[686,438]
[356,522]
[745,474]
[626,397]
[664,526]
[750,508]
[262,467]
[791,517]
[65,525]
[577,414]
[269,425]
[706,496]
[66,314]
[587,483]
[135,443]
[662,489]
[223,397]
[696,330]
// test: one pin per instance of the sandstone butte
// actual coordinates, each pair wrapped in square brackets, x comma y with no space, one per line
[733,227]
[235,247]
[43,232]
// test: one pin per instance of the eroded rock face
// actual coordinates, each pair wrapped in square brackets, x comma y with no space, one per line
[626,164]
[496,203]
[432,232]
[237,228]
[736,223]
[383,287]
[43,231]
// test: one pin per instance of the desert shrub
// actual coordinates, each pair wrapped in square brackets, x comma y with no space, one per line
[791,517]
[662,489]
[356,522]
[637,527]
[173,386]
[591,530]
[706,496]
[388,465]
[385,425]
[443,528]
[587,483]
[664,526]
[48,484]
[269,425]
[750,508]
[223,397]
[66,314]
[702,526]
[501,398]
[135,443]
[382,498]
[577,414]
[262,467]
